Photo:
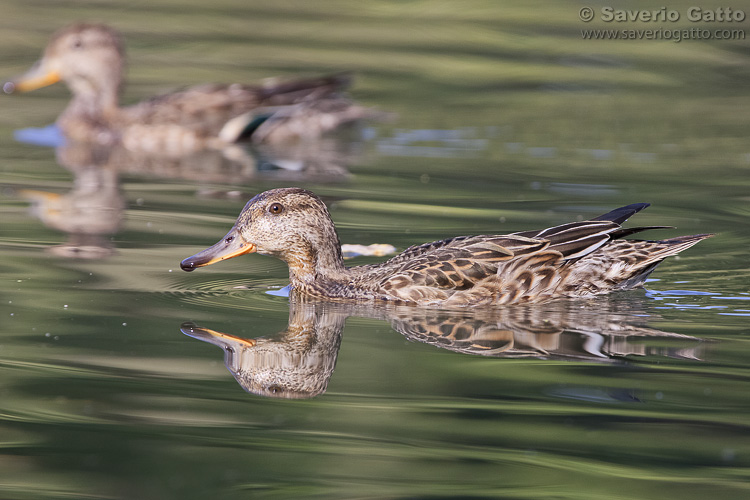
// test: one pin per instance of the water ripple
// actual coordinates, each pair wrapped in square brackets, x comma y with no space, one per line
[695,300]
[233,293]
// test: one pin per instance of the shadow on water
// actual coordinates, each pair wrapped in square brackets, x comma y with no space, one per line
[298,362]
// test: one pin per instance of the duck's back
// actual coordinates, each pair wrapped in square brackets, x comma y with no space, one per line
[440,272]
[572,260]
[194,117]
[208,107]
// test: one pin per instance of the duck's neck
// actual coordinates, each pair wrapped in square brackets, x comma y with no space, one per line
[317,259]
[95,103]
[93,106]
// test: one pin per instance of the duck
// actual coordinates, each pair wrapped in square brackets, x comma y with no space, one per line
[573,260]
[89,59]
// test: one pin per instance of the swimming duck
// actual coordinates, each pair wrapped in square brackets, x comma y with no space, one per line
[578,259]
[89,58]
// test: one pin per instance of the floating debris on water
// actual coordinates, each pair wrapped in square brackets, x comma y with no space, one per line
[374,250]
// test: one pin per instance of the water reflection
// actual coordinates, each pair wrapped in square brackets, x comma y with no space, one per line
[93,209]
[89,213]
[437,143]
[325,159]
[296,363]
[299,361]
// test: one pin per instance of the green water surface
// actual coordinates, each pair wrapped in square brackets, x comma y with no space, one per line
[507,120]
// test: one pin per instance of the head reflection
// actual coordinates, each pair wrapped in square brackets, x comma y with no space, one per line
[295,364]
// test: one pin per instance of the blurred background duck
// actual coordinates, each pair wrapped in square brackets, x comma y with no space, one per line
[89,58]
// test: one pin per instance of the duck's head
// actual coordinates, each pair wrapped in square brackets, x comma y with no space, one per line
[87,57]
[292,224]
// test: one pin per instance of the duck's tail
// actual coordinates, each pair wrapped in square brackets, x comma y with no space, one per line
[624,264]
[673,246]
[298,109]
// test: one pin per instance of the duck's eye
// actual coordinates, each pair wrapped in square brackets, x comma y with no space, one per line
[274,389]
[275,208]
[77,43]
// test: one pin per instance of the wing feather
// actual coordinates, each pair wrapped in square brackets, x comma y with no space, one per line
[576,239]
[439,268]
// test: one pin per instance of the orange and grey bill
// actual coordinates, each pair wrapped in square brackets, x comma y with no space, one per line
[38,76]
[212,336]
[230,246]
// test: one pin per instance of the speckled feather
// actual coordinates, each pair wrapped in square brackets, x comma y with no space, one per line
[578,259]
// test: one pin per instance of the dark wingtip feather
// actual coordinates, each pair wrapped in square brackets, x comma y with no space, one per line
[620,215]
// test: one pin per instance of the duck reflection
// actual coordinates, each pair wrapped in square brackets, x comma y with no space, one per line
[89,213]
[323,160]
[93,209]
[299,362]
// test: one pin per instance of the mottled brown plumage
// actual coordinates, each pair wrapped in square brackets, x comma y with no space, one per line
[89,58]
[578,259]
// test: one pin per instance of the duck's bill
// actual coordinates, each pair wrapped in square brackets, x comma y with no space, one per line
[213,337]
[37,77]
[230,246]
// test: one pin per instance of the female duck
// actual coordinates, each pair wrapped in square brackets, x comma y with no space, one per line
[89,58]
[577,259]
